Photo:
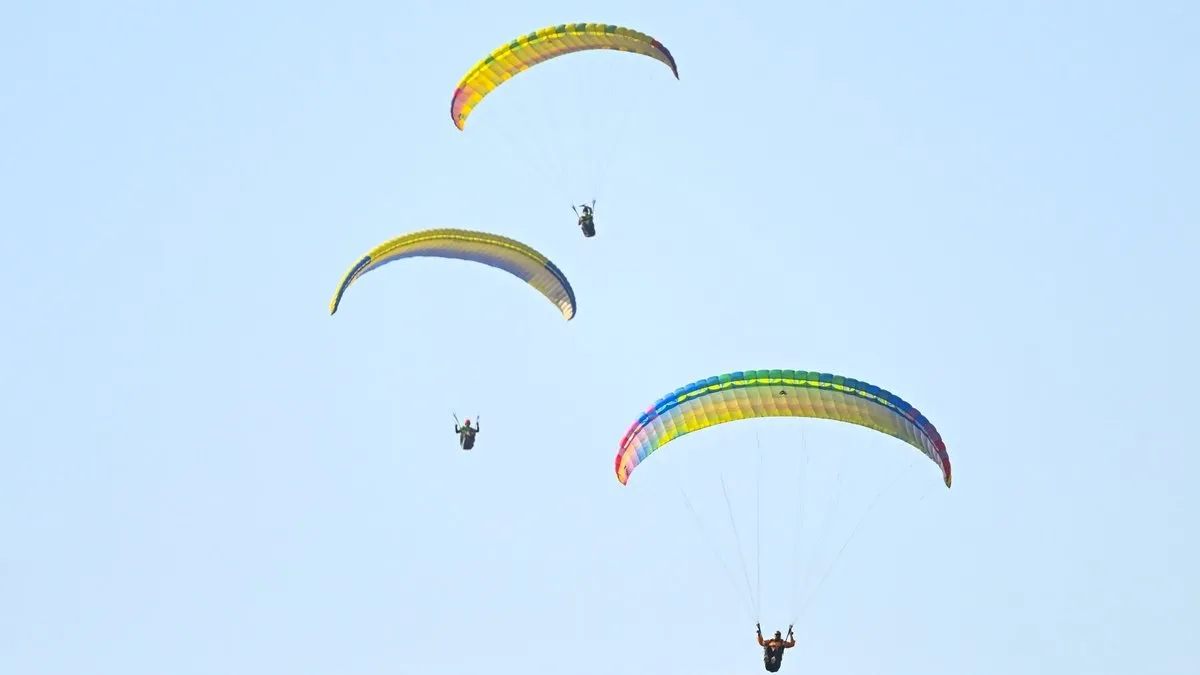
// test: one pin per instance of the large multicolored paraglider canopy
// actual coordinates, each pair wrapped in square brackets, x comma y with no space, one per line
[542,45]
[777,393]
[494,250]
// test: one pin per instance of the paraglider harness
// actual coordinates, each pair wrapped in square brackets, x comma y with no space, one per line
[466,433]
[585,219]
[773,656]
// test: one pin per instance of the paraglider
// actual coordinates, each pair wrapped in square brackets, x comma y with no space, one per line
[466,433]
[755,394]
[494,250]
[773,648]
[545,44]
[585,219]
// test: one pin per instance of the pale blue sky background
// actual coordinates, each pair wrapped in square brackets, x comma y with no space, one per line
[989,208]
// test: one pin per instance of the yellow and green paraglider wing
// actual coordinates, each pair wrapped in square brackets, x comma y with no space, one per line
[543,45]
[777,393]
[490,249]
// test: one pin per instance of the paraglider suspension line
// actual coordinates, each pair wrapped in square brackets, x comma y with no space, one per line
[738,540]
[713,547]
[758,526]
[800,492]
[878,497]
[623,127]
[824,531]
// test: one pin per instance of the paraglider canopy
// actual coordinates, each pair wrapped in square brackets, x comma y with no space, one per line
[493,250]
[542,45]
[777,393]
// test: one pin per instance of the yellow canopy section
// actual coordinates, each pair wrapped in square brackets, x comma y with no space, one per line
[494,250]
[543,45]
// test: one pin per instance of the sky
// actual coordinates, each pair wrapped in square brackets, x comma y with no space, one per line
[988,208]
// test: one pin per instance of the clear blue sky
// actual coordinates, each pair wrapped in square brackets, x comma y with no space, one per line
[989,208]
